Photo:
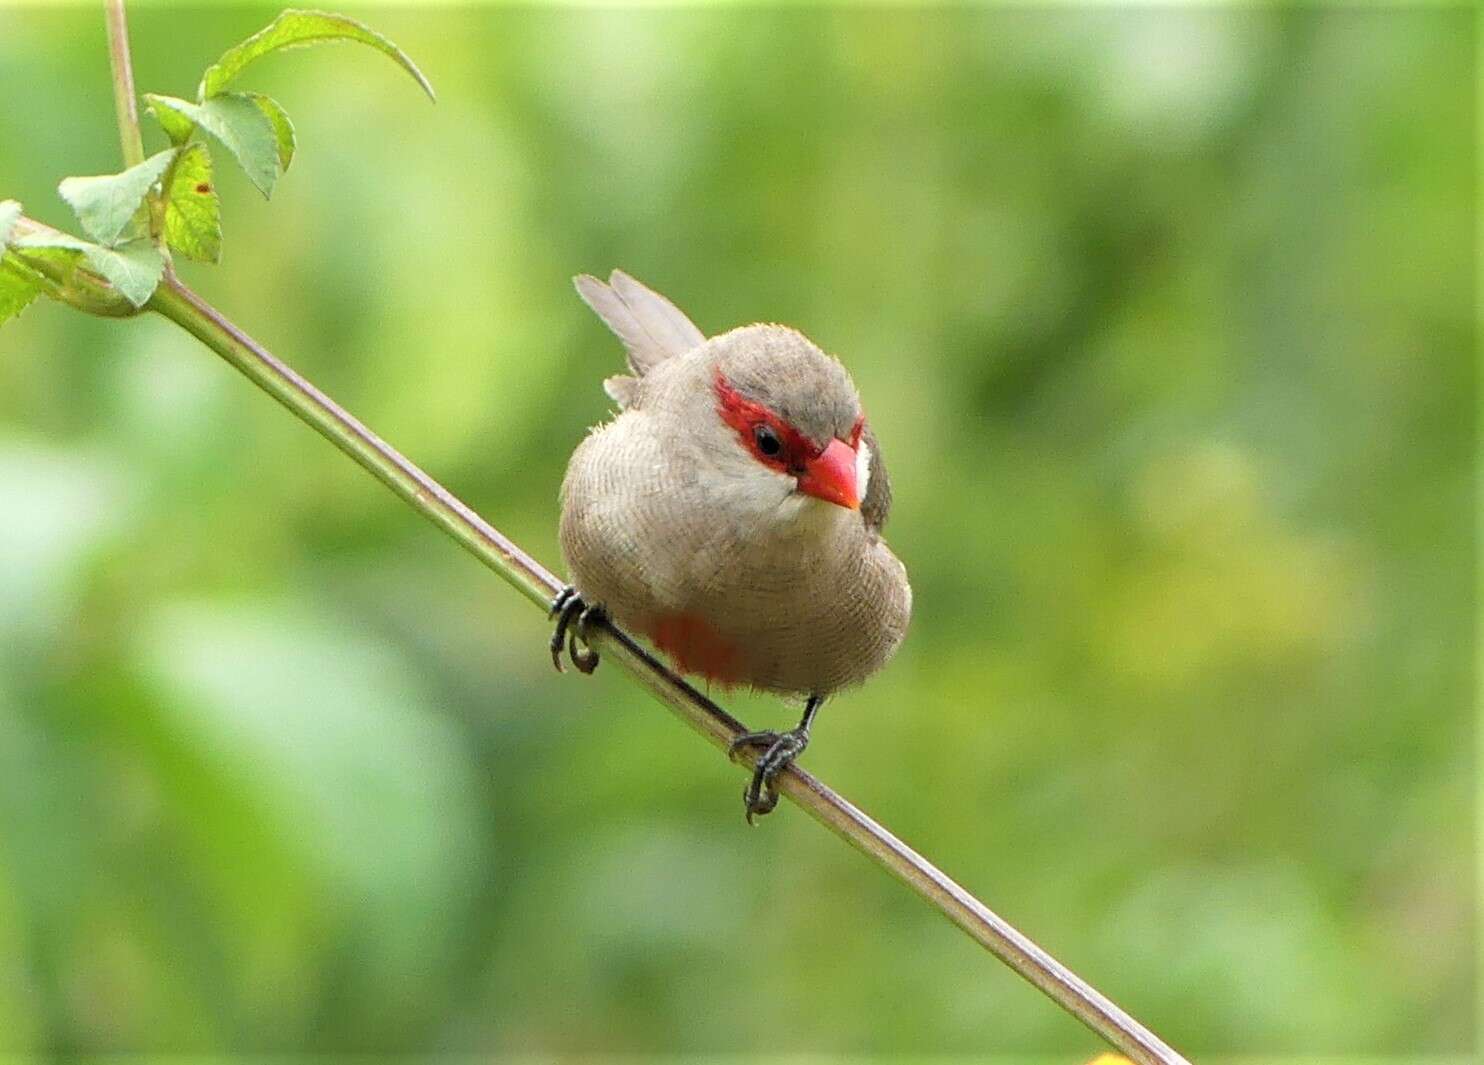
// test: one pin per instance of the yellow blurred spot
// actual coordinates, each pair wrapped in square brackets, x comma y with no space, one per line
[1224,577]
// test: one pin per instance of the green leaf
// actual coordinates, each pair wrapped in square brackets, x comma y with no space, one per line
[283,129]
[295,28]
[133,268]
[240,125]
[193,224]
[16,291]
[175,124]
[10,212]
[106,205]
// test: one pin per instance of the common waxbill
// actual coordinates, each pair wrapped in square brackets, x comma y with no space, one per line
[732,514]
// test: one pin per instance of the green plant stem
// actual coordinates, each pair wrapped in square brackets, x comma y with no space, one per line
[438,505]
[124,99]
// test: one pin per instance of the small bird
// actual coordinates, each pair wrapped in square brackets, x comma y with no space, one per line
[731,513]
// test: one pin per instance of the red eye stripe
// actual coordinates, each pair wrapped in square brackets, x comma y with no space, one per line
[743,415]
[855,433]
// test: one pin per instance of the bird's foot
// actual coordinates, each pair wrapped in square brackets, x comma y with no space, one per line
[779,749]
[573,616]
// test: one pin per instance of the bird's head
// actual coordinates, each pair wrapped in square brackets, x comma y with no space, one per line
[824,470]
[789,421]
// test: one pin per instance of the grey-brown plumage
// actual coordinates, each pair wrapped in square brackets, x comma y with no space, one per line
[746,566]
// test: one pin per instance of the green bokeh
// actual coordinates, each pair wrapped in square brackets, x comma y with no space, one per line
[1164,319]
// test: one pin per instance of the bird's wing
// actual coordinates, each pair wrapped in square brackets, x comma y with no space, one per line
[651,327]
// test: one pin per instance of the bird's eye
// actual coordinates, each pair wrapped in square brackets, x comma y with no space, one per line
[767,440]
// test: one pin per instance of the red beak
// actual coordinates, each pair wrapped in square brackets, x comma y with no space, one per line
[831,476]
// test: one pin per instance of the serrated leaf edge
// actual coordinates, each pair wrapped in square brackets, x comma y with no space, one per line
[230,64]
[191,111]
[28,288]
[283,127]
[156,165]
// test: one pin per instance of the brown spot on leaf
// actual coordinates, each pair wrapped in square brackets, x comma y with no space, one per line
[203,188]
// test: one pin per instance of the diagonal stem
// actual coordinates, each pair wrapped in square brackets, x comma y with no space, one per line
[182,306]
[425,495]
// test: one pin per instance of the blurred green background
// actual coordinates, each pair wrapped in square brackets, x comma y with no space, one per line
[1164,317]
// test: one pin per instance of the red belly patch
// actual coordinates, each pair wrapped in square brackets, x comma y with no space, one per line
[695,646]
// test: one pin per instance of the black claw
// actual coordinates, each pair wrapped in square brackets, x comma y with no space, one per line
[759,798]
[563,608]
[779,749]
[584,657]
[573,616]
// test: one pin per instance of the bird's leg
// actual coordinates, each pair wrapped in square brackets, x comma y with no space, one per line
[779,750]
[569,607]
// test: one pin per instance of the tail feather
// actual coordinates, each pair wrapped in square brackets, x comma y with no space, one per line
[651,327]
[621,389]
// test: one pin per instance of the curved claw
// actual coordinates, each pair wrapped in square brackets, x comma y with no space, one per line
[573,616]
[564,607]
[758,799]
[779,751]
[584,657]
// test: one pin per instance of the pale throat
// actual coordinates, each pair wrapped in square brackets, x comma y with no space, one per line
[804,515]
